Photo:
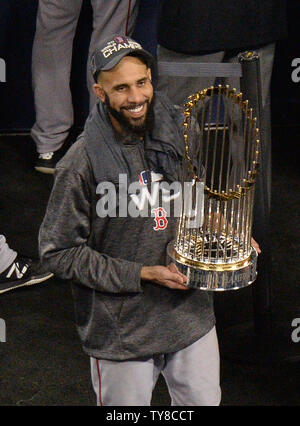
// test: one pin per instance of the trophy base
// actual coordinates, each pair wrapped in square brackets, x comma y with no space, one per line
[212,279]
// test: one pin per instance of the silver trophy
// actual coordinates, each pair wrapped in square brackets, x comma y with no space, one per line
[213,241]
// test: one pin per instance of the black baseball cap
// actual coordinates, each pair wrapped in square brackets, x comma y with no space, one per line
[110,51]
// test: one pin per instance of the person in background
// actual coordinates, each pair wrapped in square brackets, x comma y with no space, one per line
[51,67]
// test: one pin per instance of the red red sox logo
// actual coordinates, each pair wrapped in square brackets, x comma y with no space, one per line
[160,219]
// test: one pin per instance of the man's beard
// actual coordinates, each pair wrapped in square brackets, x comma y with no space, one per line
[129,128]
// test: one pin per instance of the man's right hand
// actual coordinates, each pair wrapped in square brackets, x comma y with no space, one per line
[167,276]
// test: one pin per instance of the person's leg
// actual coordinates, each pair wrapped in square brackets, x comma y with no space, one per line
[51,67]
[7,255]
[266,56]
[179,88]
[110,17]
[124,383]
[193,374]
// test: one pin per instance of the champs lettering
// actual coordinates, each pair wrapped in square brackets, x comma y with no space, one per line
[115,46]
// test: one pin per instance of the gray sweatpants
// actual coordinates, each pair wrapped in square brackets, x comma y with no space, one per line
[52,56]
[192,376]
[7,255]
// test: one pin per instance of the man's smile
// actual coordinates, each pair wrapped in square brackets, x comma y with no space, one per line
[136,111]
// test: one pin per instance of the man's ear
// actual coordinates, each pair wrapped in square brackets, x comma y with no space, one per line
[149,74]
[99,92]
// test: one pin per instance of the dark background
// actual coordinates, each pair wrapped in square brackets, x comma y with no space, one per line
[17,26]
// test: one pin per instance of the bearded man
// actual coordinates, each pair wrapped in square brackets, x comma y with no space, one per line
[135,316]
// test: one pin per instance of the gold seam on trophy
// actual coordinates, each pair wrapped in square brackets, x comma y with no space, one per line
[211,267]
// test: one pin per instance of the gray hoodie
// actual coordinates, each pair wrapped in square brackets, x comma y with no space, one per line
[118,315]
